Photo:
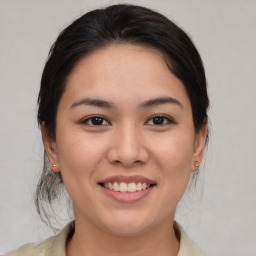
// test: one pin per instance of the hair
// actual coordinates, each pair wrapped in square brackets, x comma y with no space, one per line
[116,24]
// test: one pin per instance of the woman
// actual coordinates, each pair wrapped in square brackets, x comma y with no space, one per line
[123,114]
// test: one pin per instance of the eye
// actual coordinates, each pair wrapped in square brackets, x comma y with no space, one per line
[160,120]
[95,121]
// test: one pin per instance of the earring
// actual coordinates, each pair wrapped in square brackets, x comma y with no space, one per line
[196,164]
[50,169]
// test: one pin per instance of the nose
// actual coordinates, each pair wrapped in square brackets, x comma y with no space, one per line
[128,147]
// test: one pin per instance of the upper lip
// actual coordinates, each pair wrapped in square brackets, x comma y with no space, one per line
[128,179]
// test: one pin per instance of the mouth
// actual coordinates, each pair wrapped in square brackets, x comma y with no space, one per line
[124,187]
[127,188]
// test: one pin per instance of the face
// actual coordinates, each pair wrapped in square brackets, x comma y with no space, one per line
[125,141]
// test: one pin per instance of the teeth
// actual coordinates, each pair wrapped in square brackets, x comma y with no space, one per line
[139,186]
[132,187]
[126,187]
[123,187]
[116,186]
[110,185]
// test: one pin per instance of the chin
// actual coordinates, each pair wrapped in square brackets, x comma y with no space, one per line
[127,225]
[126,229]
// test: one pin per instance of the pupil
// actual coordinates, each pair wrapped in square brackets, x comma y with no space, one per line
[97,120]
[158,120]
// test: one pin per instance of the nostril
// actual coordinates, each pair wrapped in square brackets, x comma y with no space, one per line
[127,152]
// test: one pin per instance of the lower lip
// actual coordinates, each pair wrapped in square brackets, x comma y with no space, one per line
[127,196]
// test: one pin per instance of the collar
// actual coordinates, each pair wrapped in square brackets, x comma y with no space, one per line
[55,246]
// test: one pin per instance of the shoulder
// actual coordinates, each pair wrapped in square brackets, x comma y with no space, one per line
[53,246]
[27,249]
[187,246]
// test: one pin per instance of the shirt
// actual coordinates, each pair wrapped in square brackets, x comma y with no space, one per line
[55,246]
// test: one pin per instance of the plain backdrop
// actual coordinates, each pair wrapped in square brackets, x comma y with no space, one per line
[220,216]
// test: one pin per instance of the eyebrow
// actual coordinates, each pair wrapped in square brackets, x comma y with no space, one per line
[160,101]
[106,104]
[93,102]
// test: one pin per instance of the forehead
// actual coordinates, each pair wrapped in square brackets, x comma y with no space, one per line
[124,71]
[120,57]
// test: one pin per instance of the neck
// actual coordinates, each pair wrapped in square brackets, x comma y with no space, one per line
[94,241]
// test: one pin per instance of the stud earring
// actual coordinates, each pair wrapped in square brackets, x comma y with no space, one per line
[50,169]
[196,164]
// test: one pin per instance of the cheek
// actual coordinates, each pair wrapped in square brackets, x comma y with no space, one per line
[78,155]
[174,157]
[175,152]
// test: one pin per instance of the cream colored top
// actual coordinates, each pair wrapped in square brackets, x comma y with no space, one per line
[55,246]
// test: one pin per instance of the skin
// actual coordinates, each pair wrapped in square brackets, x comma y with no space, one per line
[128,141]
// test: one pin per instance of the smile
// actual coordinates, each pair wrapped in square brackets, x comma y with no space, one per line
[126,187]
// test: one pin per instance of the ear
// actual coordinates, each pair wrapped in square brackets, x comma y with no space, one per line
[51,149]
[199,145]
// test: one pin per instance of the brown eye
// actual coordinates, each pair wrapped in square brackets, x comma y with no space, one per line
[159,120]
[95,121]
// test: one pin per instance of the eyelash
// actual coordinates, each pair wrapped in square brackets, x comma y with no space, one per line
[89,121]
[164,120]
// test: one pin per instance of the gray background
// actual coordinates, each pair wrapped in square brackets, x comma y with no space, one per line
[220,215]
